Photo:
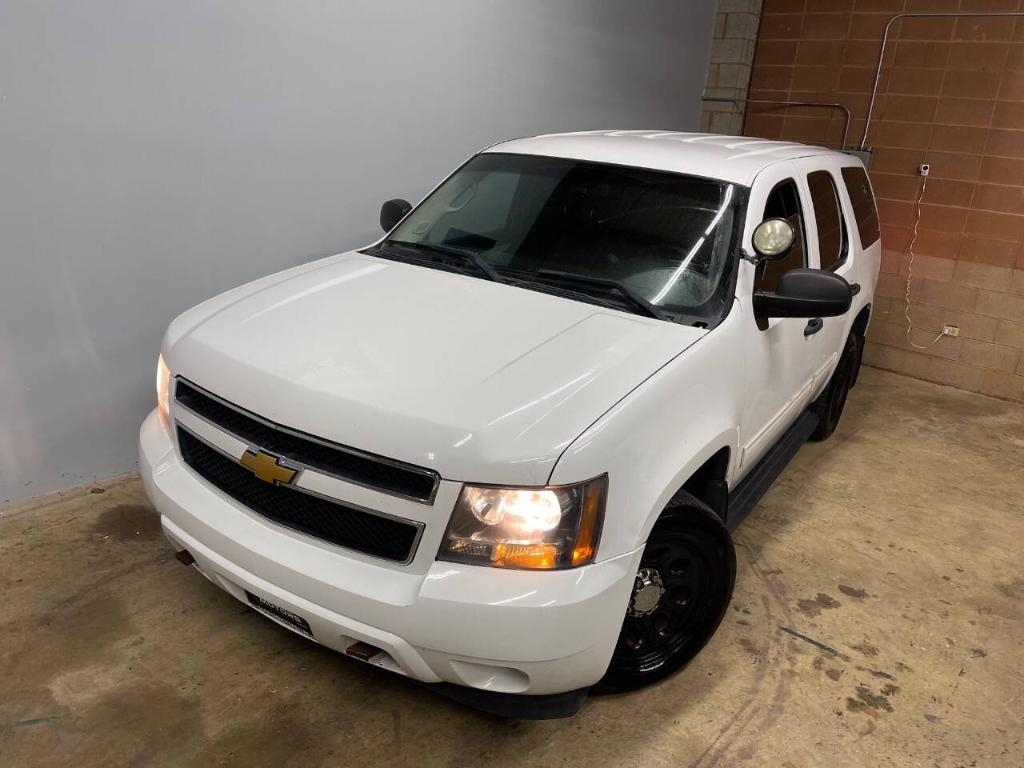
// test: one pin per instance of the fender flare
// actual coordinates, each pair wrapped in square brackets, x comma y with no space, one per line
[728,439]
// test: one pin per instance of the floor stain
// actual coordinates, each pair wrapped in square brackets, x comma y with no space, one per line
[128,522]
[869,702]
[877,673]
[749,646]
[1011,589]
[867,649]
[237,746]
[855,592]
[29,722]
[814,606]
[135,707]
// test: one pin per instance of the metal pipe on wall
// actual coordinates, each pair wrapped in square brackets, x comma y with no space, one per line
[885,40]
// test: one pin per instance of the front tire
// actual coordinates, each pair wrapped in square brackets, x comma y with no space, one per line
[682,589]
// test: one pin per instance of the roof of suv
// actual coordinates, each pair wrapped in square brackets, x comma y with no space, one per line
[732,158]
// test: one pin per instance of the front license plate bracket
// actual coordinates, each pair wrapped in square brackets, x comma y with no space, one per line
[281,615]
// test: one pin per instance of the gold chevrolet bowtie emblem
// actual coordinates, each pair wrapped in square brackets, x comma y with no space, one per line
[266,467]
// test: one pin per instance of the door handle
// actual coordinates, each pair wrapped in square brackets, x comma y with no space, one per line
[813,326]
[854,289]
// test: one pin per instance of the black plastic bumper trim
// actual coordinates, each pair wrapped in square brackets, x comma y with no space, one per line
[513,706]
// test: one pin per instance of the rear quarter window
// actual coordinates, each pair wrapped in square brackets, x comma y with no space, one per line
[859,189]
[832,246]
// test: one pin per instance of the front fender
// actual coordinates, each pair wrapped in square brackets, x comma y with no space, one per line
[659,434]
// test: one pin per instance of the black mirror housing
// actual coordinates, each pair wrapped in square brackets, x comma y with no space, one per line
[392,212]
[805,293]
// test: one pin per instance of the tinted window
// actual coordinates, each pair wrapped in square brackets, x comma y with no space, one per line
[783,203]
[829,217]
[859,189]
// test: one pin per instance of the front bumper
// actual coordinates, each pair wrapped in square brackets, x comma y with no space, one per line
[517,634]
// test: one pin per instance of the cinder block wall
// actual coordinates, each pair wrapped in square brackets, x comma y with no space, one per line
[732,53]
[951,95]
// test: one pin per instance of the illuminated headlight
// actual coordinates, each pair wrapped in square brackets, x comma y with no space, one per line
[537,528]
[163,390]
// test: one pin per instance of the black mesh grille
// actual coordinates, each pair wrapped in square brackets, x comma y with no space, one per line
[331,521]
[360,468]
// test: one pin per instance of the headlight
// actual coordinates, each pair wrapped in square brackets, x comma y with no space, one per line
[538,528]
[163,390]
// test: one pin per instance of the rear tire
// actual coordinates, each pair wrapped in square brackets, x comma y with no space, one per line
[830,403]
[683,587]
[858,362]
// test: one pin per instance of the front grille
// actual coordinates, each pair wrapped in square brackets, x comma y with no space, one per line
[347,463]
[331,521]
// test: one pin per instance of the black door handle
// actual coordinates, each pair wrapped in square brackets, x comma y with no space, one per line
[813,326]
[854,289]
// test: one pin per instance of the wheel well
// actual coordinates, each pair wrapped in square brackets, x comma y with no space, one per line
[860,325]
[708,482]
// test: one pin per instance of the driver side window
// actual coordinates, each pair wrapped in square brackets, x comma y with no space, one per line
[783,203]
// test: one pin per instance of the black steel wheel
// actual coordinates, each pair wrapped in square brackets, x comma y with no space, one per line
[682,589]
[830,403]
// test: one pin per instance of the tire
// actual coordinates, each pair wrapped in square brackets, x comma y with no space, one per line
[683,587]
[857,363]
[830,403]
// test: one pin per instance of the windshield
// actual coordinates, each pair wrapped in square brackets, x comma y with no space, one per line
[660,239]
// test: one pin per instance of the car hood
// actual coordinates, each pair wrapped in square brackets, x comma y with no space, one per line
[477,380]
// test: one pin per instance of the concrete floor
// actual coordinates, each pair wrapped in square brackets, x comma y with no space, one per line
[878,620]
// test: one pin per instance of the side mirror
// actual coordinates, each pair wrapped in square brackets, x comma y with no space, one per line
[773,239]
[805,293]
[392,212]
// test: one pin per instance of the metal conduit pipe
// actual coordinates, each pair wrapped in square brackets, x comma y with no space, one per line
[885,40]
[825,104]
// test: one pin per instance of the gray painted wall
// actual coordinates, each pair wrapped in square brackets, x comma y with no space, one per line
[153,154]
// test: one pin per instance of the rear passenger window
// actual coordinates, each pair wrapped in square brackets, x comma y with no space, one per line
[783,203]
[859,189]
[832,247]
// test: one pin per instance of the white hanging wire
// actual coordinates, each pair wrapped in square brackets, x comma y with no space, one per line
[910,274]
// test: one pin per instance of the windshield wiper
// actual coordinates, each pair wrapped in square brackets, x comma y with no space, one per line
[473,258]
[630,295]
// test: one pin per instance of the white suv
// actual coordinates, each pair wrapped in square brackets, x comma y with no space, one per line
[501,450]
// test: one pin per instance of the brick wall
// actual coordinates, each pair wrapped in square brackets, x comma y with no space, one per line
[951,95]
[732,52]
